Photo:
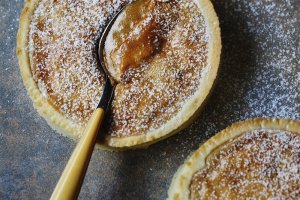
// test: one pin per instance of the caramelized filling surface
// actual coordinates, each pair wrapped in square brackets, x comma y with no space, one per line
[262,164]
[140,34]
[156,81]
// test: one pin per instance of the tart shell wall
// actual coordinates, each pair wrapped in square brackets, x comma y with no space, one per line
[72,129]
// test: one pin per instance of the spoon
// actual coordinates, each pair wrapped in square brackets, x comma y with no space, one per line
[69,184]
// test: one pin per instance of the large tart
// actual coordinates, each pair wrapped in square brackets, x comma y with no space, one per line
[160,91]
[255,159]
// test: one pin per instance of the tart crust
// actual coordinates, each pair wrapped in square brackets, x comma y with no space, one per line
[180,186]
[70,128]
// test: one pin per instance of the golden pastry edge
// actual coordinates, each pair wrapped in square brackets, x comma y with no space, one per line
[68,128]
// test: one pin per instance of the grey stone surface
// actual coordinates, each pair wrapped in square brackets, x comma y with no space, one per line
[259,77]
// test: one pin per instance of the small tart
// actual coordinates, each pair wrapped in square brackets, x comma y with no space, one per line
[255,159]
[161,90]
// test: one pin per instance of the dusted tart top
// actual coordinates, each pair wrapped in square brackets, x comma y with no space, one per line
[166,53]
[159,58]
[254,159]
[261,164]
[63,35]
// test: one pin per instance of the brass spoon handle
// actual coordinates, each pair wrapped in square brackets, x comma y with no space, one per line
[69,184]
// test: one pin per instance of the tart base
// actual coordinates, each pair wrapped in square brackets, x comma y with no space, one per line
[72,129]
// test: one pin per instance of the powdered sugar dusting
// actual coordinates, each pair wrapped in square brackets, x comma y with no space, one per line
[63,36]
[259,70]
[259,164]
[153,93]
[62,42]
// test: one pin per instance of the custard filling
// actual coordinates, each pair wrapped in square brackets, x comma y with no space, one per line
[138,35]
[160,58]
[262,164]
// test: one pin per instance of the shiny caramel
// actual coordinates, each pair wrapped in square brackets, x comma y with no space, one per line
[141,34]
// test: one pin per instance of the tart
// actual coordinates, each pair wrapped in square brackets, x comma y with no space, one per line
[161,87]
[255,159]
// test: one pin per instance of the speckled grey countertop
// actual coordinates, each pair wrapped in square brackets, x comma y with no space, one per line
[259,76]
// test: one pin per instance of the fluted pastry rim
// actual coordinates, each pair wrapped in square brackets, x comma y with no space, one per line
[69,128]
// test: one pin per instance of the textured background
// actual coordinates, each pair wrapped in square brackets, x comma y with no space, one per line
[259,76]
